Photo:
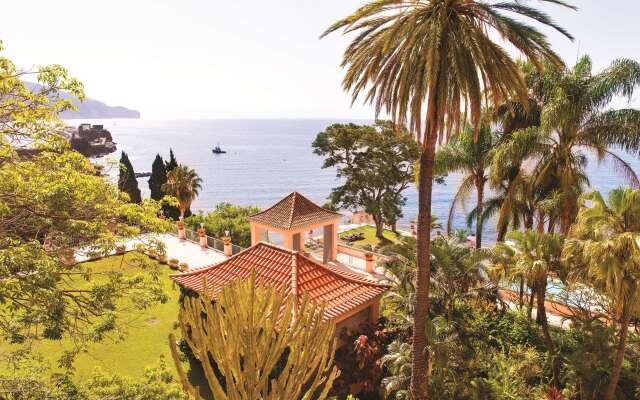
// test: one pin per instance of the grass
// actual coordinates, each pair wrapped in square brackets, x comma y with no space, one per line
[370,238]
[146,337]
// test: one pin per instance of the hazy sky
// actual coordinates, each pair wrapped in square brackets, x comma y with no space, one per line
[238,59]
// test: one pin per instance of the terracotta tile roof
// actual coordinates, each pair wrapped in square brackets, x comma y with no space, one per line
[294,212]
[341,291]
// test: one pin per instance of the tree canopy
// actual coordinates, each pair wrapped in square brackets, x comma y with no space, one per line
[127,181]
[53,207]
[375,164]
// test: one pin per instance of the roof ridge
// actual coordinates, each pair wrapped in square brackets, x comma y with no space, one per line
[293,208]
[273,206]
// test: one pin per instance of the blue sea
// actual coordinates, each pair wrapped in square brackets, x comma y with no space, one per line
[268,158]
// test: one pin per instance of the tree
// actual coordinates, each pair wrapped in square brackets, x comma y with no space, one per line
[226,217]
[172,163]
[439,54]
[604,250]
[375,164]
[472,157]
[253,343]
[575,117]
[184,184]
[127,181]
[53,206]
[536,257]
[158,178]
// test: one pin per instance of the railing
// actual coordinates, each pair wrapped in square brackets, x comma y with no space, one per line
[212,243]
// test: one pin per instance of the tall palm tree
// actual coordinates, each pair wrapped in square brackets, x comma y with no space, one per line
[536,256]
[472,158]
[604,248]
[183,183]
[422,61]
[574,119]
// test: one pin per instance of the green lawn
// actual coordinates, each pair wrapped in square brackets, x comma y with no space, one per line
[146,334]
[369,236]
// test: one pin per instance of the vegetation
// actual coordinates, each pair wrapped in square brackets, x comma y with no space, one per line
[127,181]
[226,217]
[574,118]
[439,54]
[281,349]
[52,206]
[604,247]
[183,183]
[375,165]
[141,339]
[158,178]
[471,155]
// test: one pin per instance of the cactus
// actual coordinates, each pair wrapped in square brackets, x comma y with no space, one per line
[265,346]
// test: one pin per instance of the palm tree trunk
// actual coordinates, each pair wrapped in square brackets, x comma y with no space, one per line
[541,319]
[480,191]
[617,363]
[540,226]
[521,293]
[530,305]
[566,218]
[420,357]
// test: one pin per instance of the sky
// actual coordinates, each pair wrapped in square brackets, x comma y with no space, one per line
[240,59]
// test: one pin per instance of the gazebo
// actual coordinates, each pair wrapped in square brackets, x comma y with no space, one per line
[294,216]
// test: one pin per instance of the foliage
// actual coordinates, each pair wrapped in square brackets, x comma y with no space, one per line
[357,360]
[127,181]
[263,345]
[375,165]
[183,183]
[574,117]
[439,55]
[604,248]
[226,217]
[157,179]
[535,257]
[29,378]
[172,163]
[472,156]
[157,383]
[52,206]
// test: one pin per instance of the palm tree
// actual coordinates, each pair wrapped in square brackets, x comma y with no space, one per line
[535,256]
[574,118]
[471,157]
[184,184]
[604,248]
[423,61]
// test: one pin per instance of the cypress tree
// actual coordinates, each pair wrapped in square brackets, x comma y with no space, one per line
[158,178]
[172,163]
[127,181]
[172,212]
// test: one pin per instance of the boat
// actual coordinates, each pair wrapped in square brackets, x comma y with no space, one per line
[217,150]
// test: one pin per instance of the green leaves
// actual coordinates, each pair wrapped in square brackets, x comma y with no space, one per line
[375,164]
[264,345]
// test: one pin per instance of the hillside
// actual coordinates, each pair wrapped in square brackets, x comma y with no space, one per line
[92,108]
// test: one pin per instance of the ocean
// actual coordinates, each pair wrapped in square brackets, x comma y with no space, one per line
[267,159]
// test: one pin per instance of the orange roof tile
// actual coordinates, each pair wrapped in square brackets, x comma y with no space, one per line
[341,291]
[294,212]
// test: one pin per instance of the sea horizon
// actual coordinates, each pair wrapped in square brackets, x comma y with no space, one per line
[268,158]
